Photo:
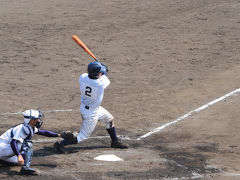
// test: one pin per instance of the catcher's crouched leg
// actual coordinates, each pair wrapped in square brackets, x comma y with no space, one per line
[28,153]
[68,138]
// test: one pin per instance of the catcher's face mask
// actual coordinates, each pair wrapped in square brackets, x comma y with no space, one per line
[40,120]
[39,123]
[35,115]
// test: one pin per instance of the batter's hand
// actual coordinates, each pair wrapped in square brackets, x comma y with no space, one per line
[20,160]
[106,68]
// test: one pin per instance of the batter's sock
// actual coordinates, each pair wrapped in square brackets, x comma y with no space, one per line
[112,133]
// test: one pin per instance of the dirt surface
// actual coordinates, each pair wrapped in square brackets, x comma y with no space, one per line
[166,58]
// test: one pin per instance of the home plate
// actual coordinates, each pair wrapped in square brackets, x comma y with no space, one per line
[109,157]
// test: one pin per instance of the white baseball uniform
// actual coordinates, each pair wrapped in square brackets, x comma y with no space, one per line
[92,91]
[6,152]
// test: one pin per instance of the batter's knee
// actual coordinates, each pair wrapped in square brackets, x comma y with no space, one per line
[110,124]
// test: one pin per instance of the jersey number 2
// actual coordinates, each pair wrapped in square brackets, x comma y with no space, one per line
[88,91]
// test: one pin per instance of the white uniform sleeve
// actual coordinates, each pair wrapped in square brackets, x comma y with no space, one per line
[105,81]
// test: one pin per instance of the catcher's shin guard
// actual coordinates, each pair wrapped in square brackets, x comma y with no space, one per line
[27,149]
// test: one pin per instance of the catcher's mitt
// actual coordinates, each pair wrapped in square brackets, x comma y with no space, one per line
[68,135]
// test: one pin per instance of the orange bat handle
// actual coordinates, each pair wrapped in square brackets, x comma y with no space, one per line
[80,43]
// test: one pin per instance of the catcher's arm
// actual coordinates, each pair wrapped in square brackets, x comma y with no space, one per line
[48,133]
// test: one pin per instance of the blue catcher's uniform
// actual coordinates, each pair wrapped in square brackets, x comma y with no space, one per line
[17,140]
[20,134]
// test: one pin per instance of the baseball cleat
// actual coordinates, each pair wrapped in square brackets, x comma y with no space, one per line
[59,147]
[119,145]
[27,171]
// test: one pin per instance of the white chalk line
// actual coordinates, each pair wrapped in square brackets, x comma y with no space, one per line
[50,111]
[158,129]
[189,114]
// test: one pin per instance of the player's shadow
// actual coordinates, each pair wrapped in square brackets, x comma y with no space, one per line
[45,165]
[75,149]
[48,151]
[5,168]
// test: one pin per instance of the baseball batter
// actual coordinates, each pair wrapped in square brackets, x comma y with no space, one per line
[92,86]
[16,144]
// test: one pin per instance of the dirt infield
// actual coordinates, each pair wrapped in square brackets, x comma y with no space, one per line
[165,57]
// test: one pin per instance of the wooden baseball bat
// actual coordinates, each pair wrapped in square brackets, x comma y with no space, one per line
[81,44]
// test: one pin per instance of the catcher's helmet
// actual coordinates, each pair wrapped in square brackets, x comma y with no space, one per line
[33,114]
[94,68]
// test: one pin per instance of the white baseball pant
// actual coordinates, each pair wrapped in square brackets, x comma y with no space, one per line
[90,118]
[6,152]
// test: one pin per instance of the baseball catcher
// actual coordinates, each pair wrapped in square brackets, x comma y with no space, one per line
[16,144]
[92,86]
